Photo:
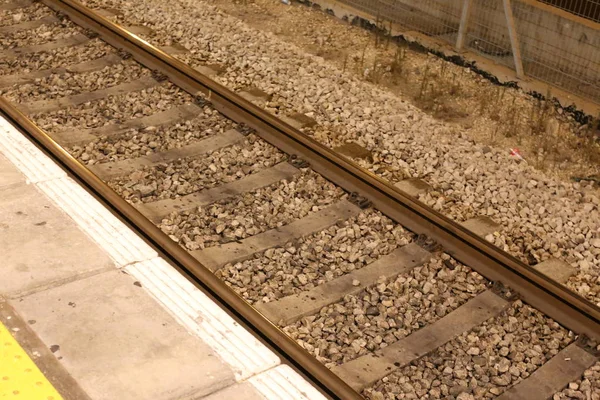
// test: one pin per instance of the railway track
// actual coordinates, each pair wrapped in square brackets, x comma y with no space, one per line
[359,274]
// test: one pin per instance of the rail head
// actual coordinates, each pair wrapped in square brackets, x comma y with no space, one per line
[288,350]
[565,306]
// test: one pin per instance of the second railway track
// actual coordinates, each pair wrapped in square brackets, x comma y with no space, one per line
[369,281]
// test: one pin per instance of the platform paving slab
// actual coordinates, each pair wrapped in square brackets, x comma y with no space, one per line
[9,174]
[23,339]
[240,391]
[40,244]
[118,343]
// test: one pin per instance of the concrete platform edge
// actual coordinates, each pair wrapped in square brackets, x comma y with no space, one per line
[254,363]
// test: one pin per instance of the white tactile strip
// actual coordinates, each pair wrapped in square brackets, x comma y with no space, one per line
[21,152]
[112,235]
[242,351]
[121,244]
[250,360]
[280,383]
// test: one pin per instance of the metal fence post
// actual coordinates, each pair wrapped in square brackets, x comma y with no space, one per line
[514,41]
[464,22]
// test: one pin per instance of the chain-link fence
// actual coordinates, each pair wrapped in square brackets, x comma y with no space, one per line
[584,8]
[555,47]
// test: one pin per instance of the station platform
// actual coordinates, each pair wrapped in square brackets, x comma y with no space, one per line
[88,310]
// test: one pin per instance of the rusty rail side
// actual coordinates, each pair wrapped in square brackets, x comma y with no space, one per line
[553,299]
[287,349]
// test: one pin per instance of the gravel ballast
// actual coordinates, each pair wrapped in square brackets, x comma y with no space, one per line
[114,109]
[152,139]
[405,141]
[387,312]
[181,177]
[480,364]
[252,213]
[313,260]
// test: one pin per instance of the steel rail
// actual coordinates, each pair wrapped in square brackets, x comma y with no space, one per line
[286,348]
[553,299]
[289,351]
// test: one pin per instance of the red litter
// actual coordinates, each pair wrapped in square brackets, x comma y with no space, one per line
[516,153]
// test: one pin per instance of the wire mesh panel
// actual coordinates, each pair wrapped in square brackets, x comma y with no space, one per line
[487,32]
[554,48]
[431,17]
[557,51]
[584,8]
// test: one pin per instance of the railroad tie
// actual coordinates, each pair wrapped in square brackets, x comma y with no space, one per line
[482,226]
[255,95]
[73,137]
[368,369]
[215,257]
[556,269]
[15,4]
[568,365]
[111,170]
[413,186]
[288,310]
[44,106]
[87,66]
[299,120]
[24,26]
[66,42]
[157,210]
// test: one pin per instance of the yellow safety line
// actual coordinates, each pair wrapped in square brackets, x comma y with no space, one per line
[20,378]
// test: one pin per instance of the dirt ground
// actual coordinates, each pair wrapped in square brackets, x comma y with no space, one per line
[548,138]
